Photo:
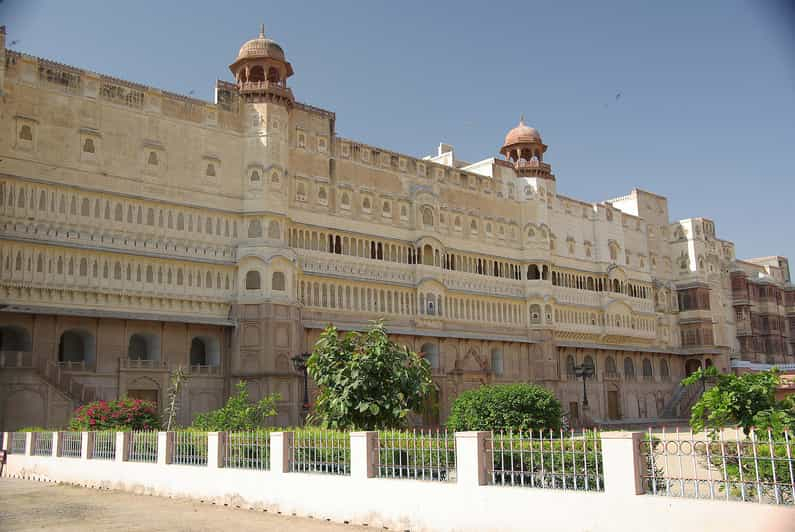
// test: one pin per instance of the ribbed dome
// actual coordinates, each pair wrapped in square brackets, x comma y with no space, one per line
[522,134]
[261,47]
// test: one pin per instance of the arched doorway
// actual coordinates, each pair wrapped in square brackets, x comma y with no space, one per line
[205,351]
[691,366]
[431,353]
[14,339]
[143,347]
[76,346]
[430,408]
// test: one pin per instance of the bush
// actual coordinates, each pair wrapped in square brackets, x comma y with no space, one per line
[121,414]
[239,413]
[366,380]
[505,407]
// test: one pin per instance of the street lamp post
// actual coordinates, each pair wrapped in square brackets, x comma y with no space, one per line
[585,371]
[299,363]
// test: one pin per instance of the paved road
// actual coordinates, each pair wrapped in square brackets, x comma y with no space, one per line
[28,505]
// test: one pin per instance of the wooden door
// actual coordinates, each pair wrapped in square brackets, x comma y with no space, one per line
[612,405]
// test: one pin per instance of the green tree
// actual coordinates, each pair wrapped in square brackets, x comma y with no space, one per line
[239,414]
[747,400]
[505,407]
[366,381]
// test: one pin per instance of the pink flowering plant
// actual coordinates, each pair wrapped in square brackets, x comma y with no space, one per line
[121,414]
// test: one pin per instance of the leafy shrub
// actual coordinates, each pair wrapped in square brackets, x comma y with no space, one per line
[366,381]
[121,414]
[505,407]
[239,413]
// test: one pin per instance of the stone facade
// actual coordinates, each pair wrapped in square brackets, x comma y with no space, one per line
[144,230]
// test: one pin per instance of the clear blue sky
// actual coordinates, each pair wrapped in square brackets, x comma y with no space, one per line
[706,115]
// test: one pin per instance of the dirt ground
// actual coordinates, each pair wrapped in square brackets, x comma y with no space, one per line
[29,505]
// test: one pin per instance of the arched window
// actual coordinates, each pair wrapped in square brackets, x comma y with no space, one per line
[610,367]
[254,229]
[210,171]
[497,363]
[256,73]
[88,146]
[427,217]
[588,361]
[14,339]
[629,369]
[255,177]
[252,280]
[570,366]
[152,160]
[665,372]
[273,229]
[278,282]
[427,255]
[345,200]
[143,347]
[647,369]
[430,352]
[25,133]
[273,75]
[76,346]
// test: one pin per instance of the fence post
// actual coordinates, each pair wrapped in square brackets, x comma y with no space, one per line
[364,454]
[122,446]
[30,441]
[216,449]
[87,446]
[165,447]
[472,458]
[6,441]
[622,463]
[281,442]
[57,443]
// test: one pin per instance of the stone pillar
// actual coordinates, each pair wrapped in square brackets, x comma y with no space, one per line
[216,448]
[122,446]
[30,441]
[165,447]
[622,463]
[364,454]
[87,446]
[57,444]
[472,458]
[281,442]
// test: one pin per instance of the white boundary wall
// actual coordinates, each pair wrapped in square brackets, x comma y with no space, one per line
[417,505]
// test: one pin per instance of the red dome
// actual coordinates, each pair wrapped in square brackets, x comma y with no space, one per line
[522,134]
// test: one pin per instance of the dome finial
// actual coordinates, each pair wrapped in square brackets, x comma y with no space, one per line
[521,119]
[262,31]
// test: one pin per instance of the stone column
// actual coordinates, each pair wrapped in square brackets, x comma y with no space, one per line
[622,463]
[281,442]
[30,441]
[122,446]
[364,454]
[87,446]
[57,444]
[165,447]
[472,458]
[216,449]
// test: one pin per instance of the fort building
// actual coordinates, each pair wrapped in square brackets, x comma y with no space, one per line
[142,231]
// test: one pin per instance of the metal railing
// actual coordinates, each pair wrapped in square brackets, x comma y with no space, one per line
[104,446]
[547,459]
[319,451]
[248,450]
[72,444]
[142,447]
[423,455]
[18,442]
[42,444]
[189,448]
[729,465]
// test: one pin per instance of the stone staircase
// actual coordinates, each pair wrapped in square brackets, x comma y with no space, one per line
[683,399]
[56,374]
